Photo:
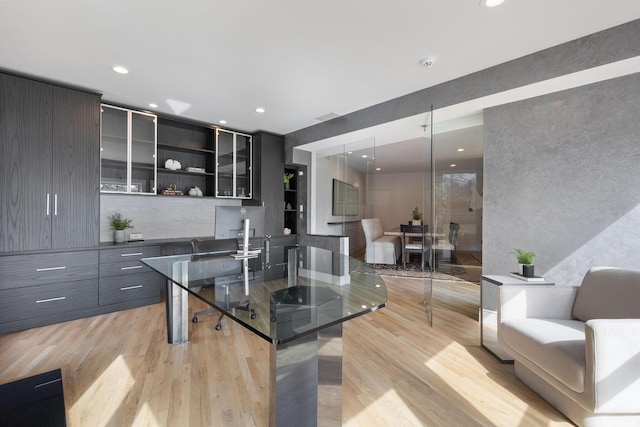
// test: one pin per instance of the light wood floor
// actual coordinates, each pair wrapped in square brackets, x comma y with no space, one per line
[118,370]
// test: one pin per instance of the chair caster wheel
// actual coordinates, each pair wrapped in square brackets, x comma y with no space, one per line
[195,319]
[253,315]
[218,327]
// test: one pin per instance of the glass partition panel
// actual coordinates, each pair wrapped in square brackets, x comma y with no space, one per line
[457,190]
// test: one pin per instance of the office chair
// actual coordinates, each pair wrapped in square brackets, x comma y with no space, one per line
[414,245]
[213,246]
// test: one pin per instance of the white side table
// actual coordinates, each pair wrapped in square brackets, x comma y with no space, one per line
[489,289]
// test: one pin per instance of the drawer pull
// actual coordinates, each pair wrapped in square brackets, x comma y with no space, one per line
[50,268]
[50,300]
[133,254]
[132,267]
[131,287]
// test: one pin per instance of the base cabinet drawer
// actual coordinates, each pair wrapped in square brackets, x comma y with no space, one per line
[128,254]
[44,300]
[119,289]
[40,269]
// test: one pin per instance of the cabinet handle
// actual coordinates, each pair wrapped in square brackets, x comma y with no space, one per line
[57,380]
[50,300]
[133,254]
[130,287]
[50,268]
[47,204]
[135,267]
[55,204]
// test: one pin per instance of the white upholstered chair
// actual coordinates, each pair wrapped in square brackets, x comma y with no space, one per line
[380,249]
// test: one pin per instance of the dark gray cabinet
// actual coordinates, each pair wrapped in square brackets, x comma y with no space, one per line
[45,288]
[268,164]
[49,166]
[125,280]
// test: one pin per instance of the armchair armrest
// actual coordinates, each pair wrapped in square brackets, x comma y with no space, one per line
[540,301]
[612,348]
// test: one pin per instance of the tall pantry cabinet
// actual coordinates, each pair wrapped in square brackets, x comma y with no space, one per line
[49,166]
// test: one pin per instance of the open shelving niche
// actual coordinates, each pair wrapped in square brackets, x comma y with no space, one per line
[291,201]
[192,146]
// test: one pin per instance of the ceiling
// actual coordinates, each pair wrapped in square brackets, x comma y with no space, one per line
[209,60]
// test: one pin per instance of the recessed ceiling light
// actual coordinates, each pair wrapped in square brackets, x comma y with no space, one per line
[152,105]
[223,122]
[364,156]
[378,169]
[260,110]
[491,3]
[453,165]
[120,69]
[349,152]
[460,149]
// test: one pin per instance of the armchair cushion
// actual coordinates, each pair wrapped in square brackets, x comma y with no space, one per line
[608,293]
[554,345]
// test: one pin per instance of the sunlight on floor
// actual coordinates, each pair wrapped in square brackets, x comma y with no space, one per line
[385,404]
[119,380]
[145,417]
[492,407]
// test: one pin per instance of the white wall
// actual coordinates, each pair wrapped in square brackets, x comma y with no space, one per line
[325,169]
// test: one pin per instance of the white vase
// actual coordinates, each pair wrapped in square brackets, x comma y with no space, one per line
[416,222]
[118,236]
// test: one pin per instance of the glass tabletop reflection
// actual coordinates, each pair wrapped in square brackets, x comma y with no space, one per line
[317,289]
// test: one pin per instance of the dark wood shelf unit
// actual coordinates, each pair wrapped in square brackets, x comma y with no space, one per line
[291,199]
[192,146]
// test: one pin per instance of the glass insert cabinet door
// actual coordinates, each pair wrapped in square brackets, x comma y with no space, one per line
[233,164]
[127,151]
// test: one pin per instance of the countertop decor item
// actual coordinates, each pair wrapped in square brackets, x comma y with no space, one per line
[118,225]
[172,164]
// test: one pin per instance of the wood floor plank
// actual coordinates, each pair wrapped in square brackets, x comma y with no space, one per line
[118,369]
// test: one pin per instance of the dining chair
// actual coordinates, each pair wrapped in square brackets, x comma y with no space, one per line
[449,244]
[414,242]
[380,249]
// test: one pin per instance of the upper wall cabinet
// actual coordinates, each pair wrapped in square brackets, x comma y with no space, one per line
[49,138]
[233,164]
[128,151]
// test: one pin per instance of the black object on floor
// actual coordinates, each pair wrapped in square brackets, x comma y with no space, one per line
[34,401]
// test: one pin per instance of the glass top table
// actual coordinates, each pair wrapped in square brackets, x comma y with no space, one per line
[299,310]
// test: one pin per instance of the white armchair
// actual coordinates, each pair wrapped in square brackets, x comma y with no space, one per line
[579,347]
[380,249]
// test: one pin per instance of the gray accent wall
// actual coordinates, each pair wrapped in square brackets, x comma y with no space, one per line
[562,178]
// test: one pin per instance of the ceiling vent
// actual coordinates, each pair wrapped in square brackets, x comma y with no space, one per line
[327,117]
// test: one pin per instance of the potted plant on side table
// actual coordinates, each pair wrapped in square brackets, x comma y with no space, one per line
[526,259]
[118,225]
[416,217]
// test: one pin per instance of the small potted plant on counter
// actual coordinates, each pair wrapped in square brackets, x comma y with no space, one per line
[416,217]
[118,225]
[526,259]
